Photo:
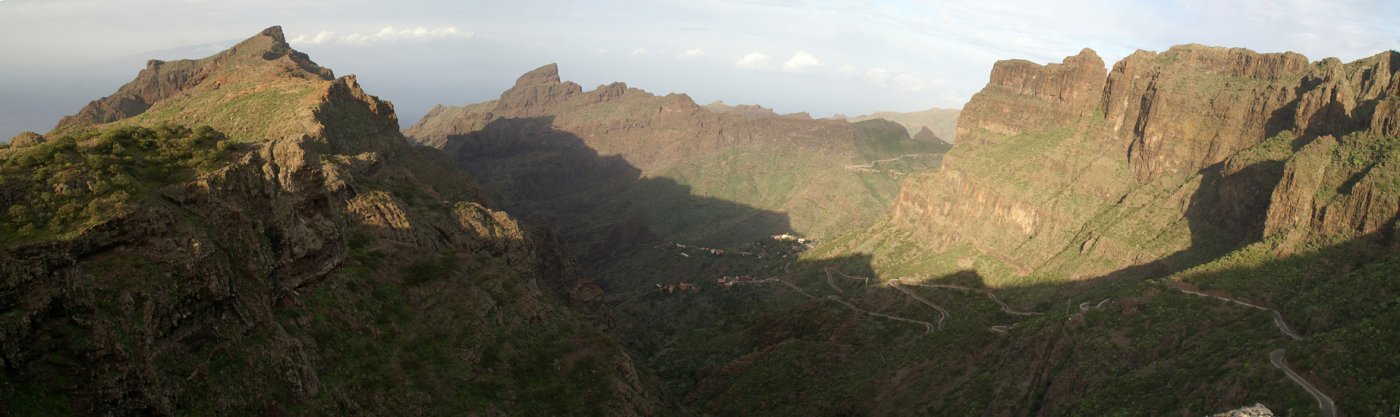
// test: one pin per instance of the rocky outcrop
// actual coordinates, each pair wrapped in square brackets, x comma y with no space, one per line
[1338,188]
[538,89]
[26,139]
[746,110]
[1023,96]
[1256,410]
[1192,106]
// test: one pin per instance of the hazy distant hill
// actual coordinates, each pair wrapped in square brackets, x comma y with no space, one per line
[942,122]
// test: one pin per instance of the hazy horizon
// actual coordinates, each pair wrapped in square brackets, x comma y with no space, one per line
[823,58]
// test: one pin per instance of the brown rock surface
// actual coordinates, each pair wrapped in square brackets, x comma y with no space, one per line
[1023,96]
[25,139]
[1192,106]
[1172,169]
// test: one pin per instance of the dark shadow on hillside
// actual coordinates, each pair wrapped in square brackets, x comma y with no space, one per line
[720,351]
[601,205]
[1334,119]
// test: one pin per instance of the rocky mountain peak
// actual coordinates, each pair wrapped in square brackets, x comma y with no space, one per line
[548,74]
[1077,77]
[927,135]
[1085,58]
[537,88]
[1040,95]
[274,32]
[263,58]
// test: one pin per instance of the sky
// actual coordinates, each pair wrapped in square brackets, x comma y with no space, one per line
[822,57]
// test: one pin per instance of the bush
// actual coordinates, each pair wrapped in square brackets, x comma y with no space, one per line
[80,179]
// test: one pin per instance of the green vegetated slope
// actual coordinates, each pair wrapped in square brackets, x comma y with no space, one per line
[292,255]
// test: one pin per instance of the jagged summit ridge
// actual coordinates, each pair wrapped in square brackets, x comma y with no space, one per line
[261,57]
[546,74]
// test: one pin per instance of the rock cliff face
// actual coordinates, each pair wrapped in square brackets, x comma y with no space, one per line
[1193,106]
[335,270]
[1023,96]
[1166,160]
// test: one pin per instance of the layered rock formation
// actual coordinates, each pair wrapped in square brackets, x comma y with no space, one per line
[1023,96]
[1065,170]
[330,268]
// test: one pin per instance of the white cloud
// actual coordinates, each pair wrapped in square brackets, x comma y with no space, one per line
[884,78]
[877,76]
[753,61]
[639,51]
[801,60]
[910,83]
[386,35]
[690,54]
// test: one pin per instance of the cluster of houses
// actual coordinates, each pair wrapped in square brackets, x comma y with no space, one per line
[713,251]
[760,251]
[727,282]
[670,288]
[800,243]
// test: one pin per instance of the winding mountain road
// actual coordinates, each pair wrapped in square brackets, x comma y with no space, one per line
[1278,318]
[1329,408]
[1004,308]
[896,284]
[871,164]
[1084,306]
[928,327]
[832,282]
[1004,329]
